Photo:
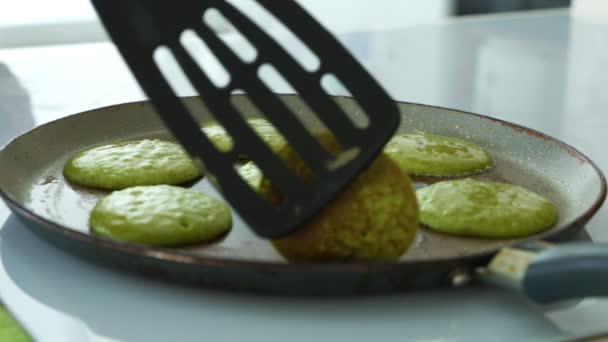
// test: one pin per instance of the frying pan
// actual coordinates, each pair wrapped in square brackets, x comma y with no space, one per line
[33,187]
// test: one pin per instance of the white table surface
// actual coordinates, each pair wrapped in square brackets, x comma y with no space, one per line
[544,70]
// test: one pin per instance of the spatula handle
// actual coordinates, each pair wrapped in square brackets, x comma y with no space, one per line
[568,271]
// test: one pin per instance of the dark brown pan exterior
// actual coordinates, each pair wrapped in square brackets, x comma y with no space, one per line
[33,187]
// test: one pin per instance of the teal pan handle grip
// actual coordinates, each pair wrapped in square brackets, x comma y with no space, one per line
[568,271]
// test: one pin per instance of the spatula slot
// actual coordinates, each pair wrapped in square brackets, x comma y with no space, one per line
[332,85]
[252,111]
[279,32]
[273,80]
[311,118]
[269,75]
[306,142]
[172,72]
[254,177]
[205,58]
[248,109]
[180,84]
[232,37]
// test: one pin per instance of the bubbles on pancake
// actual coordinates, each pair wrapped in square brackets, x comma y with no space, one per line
[426,154]
[132,163]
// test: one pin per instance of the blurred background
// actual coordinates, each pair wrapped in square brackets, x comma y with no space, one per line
[35,22]
[493,65]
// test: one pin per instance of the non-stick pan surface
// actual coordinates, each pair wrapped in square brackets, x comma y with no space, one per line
[34,188]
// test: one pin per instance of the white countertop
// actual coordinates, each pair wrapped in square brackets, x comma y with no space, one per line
[543,70]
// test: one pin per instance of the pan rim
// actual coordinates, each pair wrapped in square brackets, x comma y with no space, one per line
[180,257]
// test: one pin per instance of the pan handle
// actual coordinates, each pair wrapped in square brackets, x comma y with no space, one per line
[567,271]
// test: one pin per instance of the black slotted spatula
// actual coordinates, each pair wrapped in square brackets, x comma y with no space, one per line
[139,27]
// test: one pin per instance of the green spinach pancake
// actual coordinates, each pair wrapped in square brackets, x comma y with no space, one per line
[425,154]
[132,163]
[484,209]
[375,218]
[161,215]
[264,129]
[10,330]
